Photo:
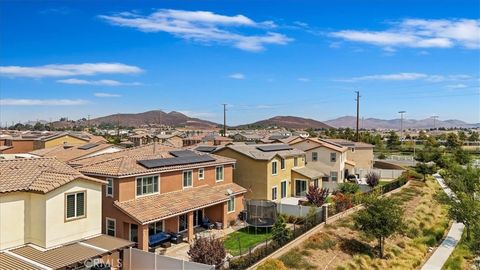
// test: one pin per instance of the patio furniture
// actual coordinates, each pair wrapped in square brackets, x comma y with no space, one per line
[158,238]
[176,238]
[207,224]
[219,225]
[166,244]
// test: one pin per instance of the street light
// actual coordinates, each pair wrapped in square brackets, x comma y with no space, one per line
[401,123]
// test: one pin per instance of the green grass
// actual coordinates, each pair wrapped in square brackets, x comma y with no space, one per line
[247,238]
[294,259]
[383,182]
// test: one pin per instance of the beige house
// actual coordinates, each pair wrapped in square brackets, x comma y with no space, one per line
[47,207]
[359,152]
[270,171]
[328,158]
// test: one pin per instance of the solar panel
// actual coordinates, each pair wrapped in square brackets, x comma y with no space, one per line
[183,153]
[88,146]
[164,162]
[274,147]
[206,149]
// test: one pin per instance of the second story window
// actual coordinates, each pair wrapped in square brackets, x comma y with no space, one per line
[274,193]
[187,179]
[147,185]
[333,157]
[295,161]
[274,168]
[282,164]
[201,174]
[109,187]
[219,173]
[314,156]
[231,204]
[75,205]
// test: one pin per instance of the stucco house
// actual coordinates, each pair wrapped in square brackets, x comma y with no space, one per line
[50,217]
[153,189]
[359,152]
[270,171]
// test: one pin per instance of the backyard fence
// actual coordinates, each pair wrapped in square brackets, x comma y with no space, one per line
[384,173]
[297,210]
[139,259]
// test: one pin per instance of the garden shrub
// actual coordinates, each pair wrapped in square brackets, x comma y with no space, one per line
[272,264]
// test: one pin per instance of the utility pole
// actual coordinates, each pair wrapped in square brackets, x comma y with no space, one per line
[224,120]
[358,114]
[435,121]
[401,124]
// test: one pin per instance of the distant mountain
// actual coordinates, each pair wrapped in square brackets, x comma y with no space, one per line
[290,122]
[375,123]
[173,119]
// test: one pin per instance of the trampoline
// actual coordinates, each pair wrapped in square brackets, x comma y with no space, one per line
[260,213]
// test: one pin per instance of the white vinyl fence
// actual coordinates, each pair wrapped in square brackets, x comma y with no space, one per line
[138,259]
[297,210]
[384,173]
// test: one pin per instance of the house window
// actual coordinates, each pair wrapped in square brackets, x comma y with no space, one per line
[147,185]
[333,176]
[231,204]
[295,161]
[219,173]
[134,232]
[154,228]
[109,187]
[187,179]
[182,223]
[274,168]
[283,189]
[325,179]
[274,193]
[314,156]
[333,157]
[110,226]
[282,164]
[315,183]
[75,205]
[300,188]
[201,174]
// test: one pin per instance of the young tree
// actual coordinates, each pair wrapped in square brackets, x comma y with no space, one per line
[424,169]
[207,250]
[381,218]
[316,196]
[373,179]
[453,141]
[280,233]
[393,141]
[461,156]
[474,137]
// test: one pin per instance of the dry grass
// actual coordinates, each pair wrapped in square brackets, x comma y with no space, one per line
[341,246]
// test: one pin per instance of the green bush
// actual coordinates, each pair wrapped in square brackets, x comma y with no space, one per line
[272,264]
[349,188]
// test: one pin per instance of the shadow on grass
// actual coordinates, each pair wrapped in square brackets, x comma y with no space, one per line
[355,247]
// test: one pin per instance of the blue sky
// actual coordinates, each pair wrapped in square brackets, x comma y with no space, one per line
[263,58]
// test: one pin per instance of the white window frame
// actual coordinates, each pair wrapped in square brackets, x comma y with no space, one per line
[202,174]
[276,193]
[316,156]
[191,179]
[336,177]
[74,194]
[148,194]
[333,159]
[216,174]
[107,219]
[110,180]
[232,201]
[281,189]
[276,167]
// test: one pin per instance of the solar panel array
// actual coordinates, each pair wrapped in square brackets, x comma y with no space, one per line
[183,153]
[207,149]
[274,147]
[183,160]
[88,146]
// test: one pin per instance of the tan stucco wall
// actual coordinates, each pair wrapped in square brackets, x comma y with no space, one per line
[63,140]
[324,164]
[13,213]
[20,146]
[362,157]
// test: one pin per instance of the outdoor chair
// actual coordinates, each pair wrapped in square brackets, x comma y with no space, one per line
[207,224]
[156,239]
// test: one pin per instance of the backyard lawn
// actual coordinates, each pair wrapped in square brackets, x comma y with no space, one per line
[247,237]
[341,246]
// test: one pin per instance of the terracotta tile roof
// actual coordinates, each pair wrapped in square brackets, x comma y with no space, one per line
[72,254]
[157,207]
[72,153]
[37,175]
[8,262]
[324,143]
[252,151]
[348,143]
[125,162]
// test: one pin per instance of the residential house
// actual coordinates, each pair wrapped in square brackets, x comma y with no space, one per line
[174,140]
[270,171]
[247,137]
[50,217]
[359,152]
[67,153]
[328,158]
[156,188]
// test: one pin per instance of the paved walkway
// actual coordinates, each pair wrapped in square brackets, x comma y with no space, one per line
[441,254]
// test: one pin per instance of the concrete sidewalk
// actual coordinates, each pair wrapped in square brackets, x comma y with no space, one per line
[441,254]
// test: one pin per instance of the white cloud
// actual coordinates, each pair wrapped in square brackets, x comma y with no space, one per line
[98,82]
[304,79]
[420,33]
[42,102]
[106,95]
[237,76]
[457,86]
[201,26]
[63,70]
[409,76]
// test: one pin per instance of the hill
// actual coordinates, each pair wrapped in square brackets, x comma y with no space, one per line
[289,122]
[375,123]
